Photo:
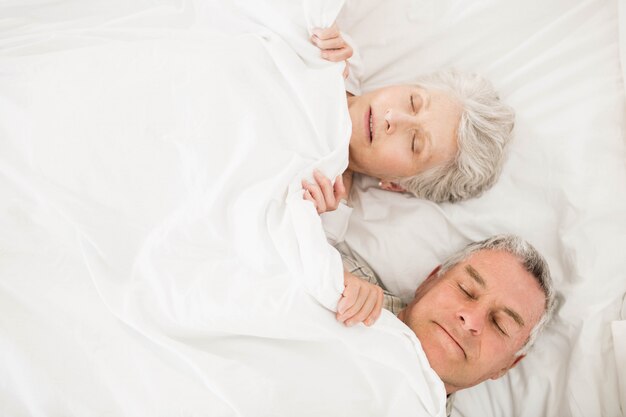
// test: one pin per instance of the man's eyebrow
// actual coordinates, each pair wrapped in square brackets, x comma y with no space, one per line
[474,274]
[518,319]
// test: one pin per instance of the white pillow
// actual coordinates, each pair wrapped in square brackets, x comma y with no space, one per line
[562,188]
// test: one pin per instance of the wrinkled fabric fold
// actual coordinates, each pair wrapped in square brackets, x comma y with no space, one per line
[158,257]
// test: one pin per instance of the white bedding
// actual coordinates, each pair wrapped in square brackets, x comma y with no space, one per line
[563,187]
[156,256]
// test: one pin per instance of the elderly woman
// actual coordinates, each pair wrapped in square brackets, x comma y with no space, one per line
[442,139]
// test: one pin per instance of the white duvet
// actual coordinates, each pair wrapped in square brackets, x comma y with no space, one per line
[156,256]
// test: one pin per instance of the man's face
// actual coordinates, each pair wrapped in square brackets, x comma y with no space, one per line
[474,318]
[402,130]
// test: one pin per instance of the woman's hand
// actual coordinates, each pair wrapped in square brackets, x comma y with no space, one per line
[324,195]
[334,47]
[360,301]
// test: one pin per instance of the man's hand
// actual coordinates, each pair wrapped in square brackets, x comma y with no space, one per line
[334,47]
[324,195]
[360,301]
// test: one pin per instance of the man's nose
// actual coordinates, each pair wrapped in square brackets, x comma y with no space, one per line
[472,320]
[397,120]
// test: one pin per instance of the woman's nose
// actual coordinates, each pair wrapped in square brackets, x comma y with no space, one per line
[397,120]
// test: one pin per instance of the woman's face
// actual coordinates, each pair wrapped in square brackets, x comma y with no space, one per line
[401,131]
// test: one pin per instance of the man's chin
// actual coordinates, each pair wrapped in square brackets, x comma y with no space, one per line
[440,360]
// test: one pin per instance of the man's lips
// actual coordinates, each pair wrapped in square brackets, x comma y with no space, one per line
[453,339]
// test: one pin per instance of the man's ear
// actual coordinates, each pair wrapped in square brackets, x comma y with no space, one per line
[505,370]
[430,278]
[434,271]
[391,186]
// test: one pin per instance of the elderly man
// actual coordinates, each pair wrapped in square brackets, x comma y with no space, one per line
[476,315]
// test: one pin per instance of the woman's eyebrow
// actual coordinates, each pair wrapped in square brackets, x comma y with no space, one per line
[426,100]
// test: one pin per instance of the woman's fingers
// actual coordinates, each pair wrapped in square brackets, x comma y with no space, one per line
[326,44]
[307,196]
[326,33]
[325,195]
[334,48]
[327,190]
[337,55]
[339,188]
[316,193]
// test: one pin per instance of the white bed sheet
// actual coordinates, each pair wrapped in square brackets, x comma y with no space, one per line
[156,255]
[97,232]
[563,186]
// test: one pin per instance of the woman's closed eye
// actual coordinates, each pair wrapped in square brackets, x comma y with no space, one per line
[417,142]
[415,101]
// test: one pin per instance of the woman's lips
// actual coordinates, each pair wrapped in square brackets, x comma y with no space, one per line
[371,126]
[368,131]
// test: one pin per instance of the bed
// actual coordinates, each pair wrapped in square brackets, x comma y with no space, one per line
[157,258]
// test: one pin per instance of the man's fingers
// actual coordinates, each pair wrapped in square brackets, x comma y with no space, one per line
[378,308]
[360,301]
[349,296]
[356,306]
[346,70]
[369,302]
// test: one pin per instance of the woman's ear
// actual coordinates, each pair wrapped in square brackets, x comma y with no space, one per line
[391,186]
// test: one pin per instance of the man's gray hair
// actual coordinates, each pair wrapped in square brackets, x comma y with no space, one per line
[483,133]
[529,258]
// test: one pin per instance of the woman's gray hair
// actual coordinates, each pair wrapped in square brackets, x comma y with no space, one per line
[529,258]
[483,133]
